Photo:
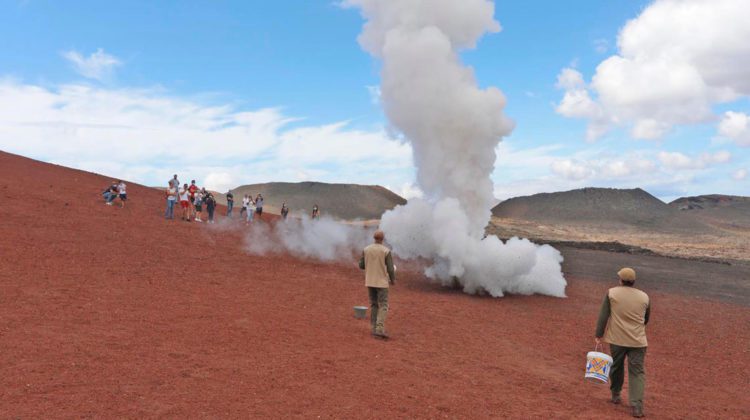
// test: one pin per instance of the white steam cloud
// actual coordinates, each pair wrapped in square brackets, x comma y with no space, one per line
[323,239]
[454,128]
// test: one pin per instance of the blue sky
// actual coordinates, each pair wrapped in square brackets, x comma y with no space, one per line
[293,81]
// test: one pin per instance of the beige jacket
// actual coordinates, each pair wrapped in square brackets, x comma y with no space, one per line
[378,265]
[624,313]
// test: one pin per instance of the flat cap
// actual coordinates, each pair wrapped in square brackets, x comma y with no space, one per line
[627,274]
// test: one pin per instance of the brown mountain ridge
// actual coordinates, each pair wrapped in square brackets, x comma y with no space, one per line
[615,208]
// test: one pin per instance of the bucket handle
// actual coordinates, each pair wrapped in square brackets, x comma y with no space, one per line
[598,346]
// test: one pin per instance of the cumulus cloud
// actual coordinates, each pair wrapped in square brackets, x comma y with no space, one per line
[675,61]
[98,65]
[680,161]
[602,168]
[145,135]
[220,181]
[736,126]
[571,169]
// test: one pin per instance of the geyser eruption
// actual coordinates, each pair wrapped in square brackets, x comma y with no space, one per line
[454,128]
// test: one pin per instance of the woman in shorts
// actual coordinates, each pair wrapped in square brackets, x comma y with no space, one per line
[122,193]
[185,203]
[198,203]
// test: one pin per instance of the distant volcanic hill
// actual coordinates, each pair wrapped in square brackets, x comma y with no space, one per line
[717,209]
[603,207]
[341,201]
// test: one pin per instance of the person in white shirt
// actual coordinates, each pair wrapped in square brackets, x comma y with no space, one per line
[122,192]
[198,203]
[250,210]
[185,203]
[171,199]
[245,202]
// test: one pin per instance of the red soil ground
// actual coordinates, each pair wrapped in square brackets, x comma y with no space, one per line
[111,312]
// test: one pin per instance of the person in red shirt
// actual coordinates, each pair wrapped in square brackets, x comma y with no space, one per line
[191,191]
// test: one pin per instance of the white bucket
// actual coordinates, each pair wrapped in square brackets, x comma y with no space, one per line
[598,366]
[360,312]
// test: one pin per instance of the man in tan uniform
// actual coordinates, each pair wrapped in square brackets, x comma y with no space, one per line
[379,273]
[624,314]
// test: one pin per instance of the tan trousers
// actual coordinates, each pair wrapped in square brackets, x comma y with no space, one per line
[378,308]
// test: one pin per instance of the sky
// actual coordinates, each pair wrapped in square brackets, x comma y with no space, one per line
[623,94]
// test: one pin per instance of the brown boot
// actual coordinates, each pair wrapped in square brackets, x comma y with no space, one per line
[380,334]
[616,399]
[636,411]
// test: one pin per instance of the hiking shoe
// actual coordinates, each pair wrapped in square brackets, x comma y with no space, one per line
[636,412]
[616,399]
[380,334]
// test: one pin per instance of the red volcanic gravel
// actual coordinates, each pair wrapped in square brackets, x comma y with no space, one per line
[112,312]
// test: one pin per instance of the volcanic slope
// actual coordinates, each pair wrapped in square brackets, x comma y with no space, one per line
[341,201]
[601,207]
[725,211]
[116,312]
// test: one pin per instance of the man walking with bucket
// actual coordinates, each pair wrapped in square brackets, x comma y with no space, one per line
[625,313]
[379,273]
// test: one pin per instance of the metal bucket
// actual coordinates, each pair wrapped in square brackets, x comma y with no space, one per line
[360,312]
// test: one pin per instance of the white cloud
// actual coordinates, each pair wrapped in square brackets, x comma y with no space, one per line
[571,169]
[146,136]
[409,190]
[570,79]
[675,61]
[98,65]
[739,174]
[603,168]
[680,161]
[736,126]
[220,181]
[601,45]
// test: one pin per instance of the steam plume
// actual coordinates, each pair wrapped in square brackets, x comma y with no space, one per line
[454,128]
[324,239]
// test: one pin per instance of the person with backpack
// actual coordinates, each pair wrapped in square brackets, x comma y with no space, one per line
[230,203]
[210,206]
